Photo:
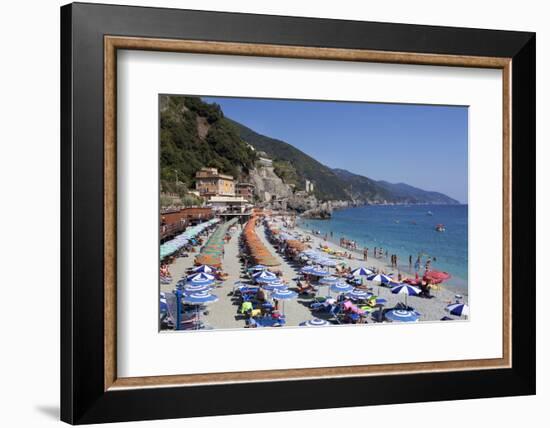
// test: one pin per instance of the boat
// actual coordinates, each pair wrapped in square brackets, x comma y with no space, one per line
[440,227]
[429,213]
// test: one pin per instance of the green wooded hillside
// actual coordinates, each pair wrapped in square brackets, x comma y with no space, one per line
[194,134]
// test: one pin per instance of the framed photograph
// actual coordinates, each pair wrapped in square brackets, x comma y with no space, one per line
[259,211]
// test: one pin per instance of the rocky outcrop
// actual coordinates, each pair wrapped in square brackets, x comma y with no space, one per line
[268,185]
[320,213]
[302,201]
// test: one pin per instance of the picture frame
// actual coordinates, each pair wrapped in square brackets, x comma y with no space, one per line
[91,391]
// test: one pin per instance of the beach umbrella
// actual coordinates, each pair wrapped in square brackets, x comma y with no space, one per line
[358,294]
[257,268]
[315,322]
[284,295]
[458,309]
[190,288]
[201,279]
[201,275]
[163,303]
[275,286]
[265,277]
[381,301]
[402,315]
[341,287]
[198,299]
[261,272]
[379,278]
[204,269]
[406,289]
[327,262]
[362,271]
[318,271]
[307,269]
[329,280]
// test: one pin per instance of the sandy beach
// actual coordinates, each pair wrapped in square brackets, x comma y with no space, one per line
[223,314]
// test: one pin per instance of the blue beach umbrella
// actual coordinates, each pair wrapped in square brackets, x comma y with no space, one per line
[341,287]
[327,262]
[380,278]
[362,271]
[204,269]
[402,315]
[257,268]
[307,269]
[358,294]
[329,280]
[275,286]
[318,271]
[191,289]
[381,301]
[199,298]
[163,303]
[458,309]
[406,289]
[200,279]
[265,277]
[284,295]
[264,273]
[315,322]
[202,275]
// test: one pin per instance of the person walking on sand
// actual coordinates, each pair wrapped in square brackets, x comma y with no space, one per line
[366,254]
[410,261]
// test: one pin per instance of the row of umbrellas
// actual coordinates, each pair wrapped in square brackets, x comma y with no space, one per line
[257,249]
[170,247]
[195,289]
[212,252]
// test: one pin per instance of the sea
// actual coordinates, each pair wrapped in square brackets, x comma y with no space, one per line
[405,230]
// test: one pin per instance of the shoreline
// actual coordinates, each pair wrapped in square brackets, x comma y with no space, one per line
[410,243]
[379,263]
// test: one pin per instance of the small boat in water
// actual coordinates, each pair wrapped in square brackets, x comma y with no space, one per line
[440,227]
[429,213]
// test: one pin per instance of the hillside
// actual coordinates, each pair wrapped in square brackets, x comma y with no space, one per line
[398,192]
[195,134]
[335,184]
[327,184]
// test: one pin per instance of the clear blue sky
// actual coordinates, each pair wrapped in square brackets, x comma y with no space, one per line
[424,146]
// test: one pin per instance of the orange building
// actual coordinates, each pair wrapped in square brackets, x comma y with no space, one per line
[209,182]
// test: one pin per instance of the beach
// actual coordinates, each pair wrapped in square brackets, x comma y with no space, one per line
[224,313]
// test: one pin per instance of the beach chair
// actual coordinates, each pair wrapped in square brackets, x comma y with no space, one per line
[269,321]
[336,313]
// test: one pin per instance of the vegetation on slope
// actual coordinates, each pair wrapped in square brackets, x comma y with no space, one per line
[183,151]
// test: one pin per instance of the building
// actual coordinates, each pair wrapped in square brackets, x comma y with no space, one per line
[265,161]
[229,204]
[210,182]
[174,222]
[309,186]
[245,190]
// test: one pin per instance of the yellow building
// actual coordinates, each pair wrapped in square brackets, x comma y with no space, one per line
[209,182]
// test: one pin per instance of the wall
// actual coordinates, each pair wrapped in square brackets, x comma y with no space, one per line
[29,166]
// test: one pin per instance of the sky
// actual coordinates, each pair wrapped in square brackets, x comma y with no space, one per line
[424,146]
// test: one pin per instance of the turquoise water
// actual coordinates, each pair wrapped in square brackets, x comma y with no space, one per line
[405,230]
